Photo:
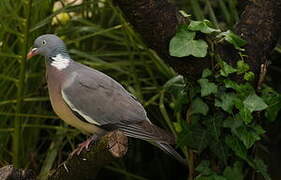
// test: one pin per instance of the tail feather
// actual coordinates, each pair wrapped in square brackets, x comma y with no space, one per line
[170,151]
[147,131]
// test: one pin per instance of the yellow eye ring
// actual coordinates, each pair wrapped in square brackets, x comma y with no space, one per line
[44,42]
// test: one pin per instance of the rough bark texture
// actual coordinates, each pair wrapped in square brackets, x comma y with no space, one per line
[260,26]
[157,20]
[11,173]
[87,165]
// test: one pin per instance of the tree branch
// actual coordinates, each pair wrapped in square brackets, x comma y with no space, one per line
[109,148]
[260,26]
[11,173]
[87,165]
[157,20]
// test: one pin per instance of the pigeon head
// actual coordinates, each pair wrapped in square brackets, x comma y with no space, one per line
[48,45]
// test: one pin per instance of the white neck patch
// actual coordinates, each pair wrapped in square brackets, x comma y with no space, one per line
[60,62]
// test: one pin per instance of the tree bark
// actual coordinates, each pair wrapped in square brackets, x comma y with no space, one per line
[109,148]
[157,21]
[9,172]
[87,165]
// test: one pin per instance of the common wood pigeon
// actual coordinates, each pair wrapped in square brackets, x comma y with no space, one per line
[92,101]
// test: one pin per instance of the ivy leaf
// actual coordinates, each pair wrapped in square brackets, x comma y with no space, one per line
[184,14]
[207,87]
[242,89]
[233,39]
[206,173]
[204,168]
[177,127]
[227,69]
[237,146]
[193,136]
[231,84]
[254,103]
[261,168]
[199,107]
[202,26]
[242,67]
[272,98]
[245,115]
[248,76]
[206,73]
[232,123]
[249,136]
[183,44]
[211,177]
[226,101]
[235,172]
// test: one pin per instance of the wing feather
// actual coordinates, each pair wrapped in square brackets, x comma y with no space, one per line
[102,101]
[99,99]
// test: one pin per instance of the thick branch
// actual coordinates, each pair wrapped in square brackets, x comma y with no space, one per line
[11,173]
[260,25]
[109,148]
[157,20]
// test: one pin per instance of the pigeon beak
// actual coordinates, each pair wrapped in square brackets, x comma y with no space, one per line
[31,53]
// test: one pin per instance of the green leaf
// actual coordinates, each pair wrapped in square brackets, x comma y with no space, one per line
[245,115]
[199,107]
[273,99]
[227,69]
[206,173]
[231,84]
[237,146]
[183,44]
[206,73]
[226,101]
[235,172]
[211,177]
[242,89]
[184,14]
[193,136]
[204,168]
[177,127]
[213,125]
[233,39]
[261,167]
[202,26]
[242,67]
[249,76]
[258,129]
[207,87]
[232,123]
[249,136]
[254,103]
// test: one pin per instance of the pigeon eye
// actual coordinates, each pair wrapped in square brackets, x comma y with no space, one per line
[44,42]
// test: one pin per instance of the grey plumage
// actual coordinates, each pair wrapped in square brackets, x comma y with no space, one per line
[99,100]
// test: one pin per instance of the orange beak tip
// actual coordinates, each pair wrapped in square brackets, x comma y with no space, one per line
[31,53]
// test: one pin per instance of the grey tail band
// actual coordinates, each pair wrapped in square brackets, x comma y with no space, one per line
[170,151]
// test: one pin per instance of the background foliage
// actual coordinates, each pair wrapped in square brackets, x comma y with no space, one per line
[96,34]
